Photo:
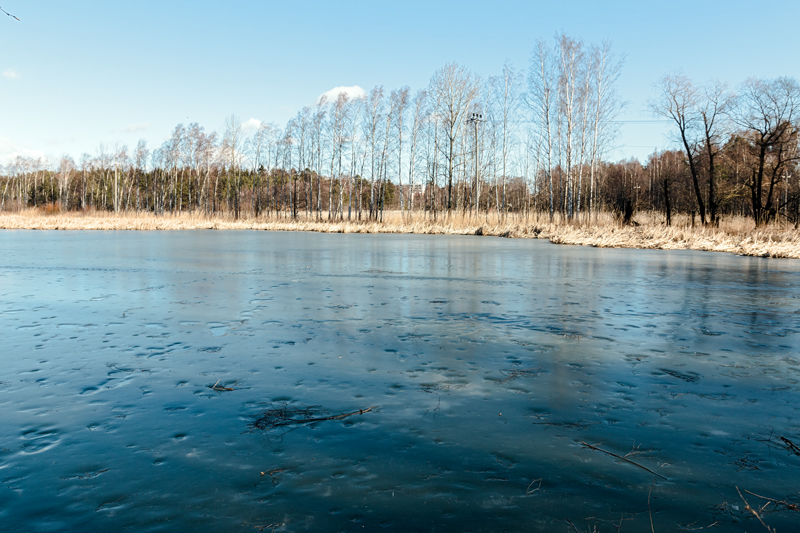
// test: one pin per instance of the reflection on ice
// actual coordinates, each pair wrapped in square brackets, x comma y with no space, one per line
[499,384]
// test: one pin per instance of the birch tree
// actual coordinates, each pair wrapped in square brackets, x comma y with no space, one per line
[420,110]
[141,155]
[372,123]
[400,103]
[66,168]
[570,55]
[453,88]
[231,144]
[338,121]
[319,121]
[606,106]
[506,96]
[541,100]
[354,112]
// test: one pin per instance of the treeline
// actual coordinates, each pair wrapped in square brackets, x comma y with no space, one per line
[515,142]
[461,143]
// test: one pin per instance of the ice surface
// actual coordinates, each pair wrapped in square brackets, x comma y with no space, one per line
[134,365]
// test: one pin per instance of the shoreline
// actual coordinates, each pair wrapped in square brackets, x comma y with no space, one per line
[732,236]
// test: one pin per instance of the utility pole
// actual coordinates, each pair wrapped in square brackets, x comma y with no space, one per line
[475,118]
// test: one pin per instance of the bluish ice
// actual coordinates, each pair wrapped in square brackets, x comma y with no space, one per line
[503,374]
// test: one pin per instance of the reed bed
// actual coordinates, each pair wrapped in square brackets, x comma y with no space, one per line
[733,235]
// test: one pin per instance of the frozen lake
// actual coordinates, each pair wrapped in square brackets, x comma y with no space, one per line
[194,381]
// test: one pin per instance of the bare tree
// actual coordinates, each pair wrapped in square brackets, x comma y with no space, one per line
[713,111]
[420,110]
[194,156]
[141,167]
[303,131]
[570,55]
[585,96]
[606,105]
[288,171]
[375,107]
[385,160]
[338,121]
[260,148]
[209,152]
[174,149]
[66,167]
[355,109]
[231,144]
[102,160]
[432,166]
[679,102]
[86,163]
[319,120]
[541,100]
[453,88]
[768,110]
[401,102]
[505,89]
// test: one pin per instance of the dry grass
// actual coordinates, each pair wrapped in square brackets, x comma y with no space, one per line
[734,235]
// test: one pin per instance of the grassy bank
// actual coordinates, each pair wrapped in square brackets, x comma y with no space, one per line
[734,235]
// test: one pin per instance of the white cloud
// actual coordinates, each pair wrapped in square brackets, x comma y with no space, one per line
[250,126]
[353,91]
[133,128]
[11,74]
[9,150]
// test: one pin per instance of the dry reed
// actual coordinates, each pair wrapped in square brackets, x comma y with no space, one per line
[734,235]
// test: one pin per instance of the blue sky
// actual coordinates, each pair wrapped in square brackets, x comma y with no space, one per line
[74,75]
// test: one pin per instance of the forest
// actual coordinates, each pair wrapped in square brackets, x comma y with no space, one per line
[518,142]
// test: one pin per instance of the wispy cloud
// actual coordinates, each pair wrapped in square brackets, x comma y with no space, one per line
[9,150]
[133,128]
[11,74]
[354,91]
[251,126]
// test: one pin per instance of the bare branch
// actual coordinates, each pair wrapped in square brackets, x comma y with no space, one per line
[612,454]
[9,14]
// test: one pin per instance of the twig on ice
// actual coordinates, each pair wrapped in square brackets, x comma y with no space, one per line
[623,458]
[755,513]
